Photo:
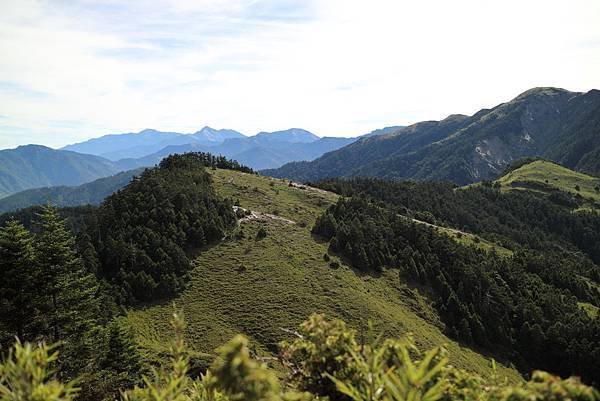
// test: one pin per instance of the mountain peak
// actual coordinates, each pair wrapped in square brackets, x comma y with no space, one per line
[33,146]
[206,129]
[209,134]
[542,91]
[293,135]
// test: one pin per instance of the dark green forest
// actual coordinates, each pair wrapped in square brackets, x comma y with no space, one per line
[524,307]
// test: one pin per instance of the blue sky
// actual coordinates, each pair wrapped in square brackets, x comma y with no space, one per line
[75,69]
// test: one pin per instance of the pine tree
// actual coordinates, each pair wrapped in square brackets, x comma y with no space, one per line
[17,291]
[70,305]
[118,366]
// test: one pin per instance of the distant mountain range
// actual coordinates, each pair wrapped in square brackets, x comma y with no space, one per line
[553,123]
[36,166]
[264,150]
[148,141]
[258,151]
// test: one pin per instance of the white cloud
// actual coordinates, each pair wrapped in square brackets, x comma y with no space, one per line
[336,67]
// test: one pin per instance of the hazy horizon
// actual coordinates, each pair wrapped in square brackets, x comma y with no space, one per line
[75,70]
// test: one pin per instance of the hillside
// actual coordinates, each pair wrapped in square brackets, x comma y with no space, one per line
[549,122]
[541,294]
[548,177]
[91,193]
[260,287]
[35,166]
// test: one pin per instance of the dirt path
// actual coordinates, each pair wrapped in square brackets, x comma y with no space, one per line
[252,215]
[307,188]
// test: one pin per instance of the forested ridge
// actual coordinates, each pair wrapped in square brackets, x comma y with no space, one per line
[525,307]
[60,288]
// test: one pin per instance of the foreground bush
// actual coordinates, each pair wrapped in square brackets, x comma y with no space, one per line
[324,358]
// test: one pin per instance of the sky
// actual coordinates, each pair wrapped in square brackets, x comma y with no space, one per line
[76,69]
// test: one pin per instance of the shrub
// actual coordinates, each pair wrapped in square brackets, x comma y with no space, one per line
[27,375]
[325,358]
[262,233]
[321,346]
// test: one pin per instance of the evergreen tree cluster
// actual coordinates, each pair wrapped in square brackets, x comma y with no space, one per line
[142,234]
[203,159]
[524,308]
[48,295]
[516,219]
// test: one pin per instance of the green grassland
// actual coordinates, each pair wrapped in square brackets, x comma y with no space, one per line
[544,176]
[263,287]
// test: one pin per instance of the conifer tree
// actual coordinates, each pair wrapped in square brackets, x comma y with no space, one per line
[17,292]
[70,306]
[122,355]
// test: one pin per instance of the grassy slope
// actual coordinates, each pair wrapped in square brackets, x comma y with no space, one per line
[258,287]
[469,239]
[547,173]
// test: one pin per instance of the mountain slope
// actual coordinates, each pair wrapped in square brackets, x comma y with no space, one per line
[35,166]
[533,301]
[548,177]
[385,130]
[91,193]
[550,122]
[371,149]
[261,286]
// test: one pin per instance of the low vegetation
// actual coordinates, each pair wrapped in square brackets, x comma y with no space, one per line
[329,364]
